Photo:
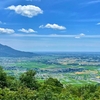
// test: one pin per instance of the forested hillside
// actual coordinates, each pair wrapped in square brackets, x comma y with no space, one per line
[27,87]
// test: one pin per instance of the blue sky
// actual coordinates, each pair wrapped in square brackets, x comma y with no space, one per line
[50,25]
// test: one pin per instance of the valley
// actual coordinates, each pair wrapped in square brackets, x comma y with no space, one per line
[72,68]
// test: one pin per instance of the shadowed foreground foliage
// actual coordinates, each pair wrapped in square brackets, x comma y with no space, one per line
[28,88]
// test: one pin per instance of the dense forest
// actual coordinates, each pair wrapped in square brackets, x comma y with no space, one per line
[27,87]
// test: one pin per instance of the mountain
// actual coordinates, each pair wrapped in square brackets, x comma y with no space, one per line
[6,51]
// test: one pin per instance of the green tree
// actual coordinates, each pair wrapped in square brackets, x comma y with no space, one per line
[53,82]
[28,79]
[3,78]
[12,83]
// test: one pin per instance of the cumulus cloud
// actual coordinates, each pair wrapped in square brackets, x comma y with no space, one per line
[6,30]
[53,26]
[27,30]
[98,23]
[82,34]
[26,10]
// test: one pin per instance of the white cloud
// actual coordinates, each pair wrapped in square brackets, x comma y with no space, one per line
[82,34]
[26,10]
[53,34]
[2,22]
[98,23]
[27,31]
[6,30]
[41,26]
[56,35]
[53,26]
[77,37]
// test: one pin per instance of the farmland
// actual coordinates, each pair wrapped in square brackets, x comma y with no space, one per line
[73,68]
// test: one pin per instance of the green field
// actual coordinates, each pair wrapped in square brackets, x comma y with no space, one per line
[67,68]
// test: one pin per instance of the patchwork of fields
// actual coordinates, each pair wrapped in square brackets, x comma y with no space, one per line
[71,68]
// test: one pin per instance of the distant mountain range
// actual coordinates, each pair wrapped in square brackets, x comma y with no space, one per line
[6,51]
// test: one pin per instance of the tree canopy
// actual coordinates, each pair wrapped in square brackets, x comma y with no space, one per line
[27,87]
